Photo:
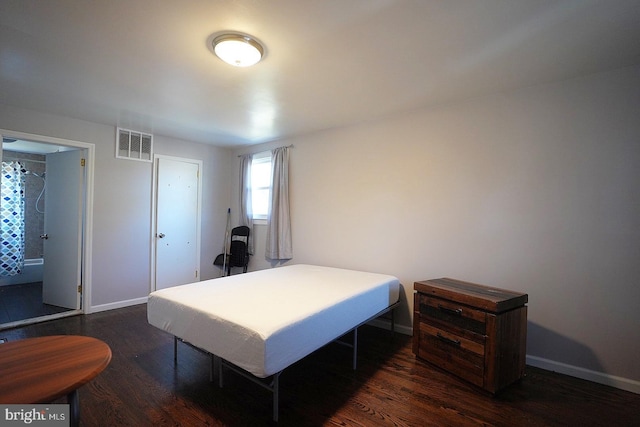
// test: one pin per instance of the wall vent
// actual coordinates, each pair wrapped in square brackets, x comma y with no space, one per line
[134,145]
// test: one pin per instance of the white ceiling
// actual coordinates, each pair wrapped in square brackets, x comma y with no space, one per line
[147,64]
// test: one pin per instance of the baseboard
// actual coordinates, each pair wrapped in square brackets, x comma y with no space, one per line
[585,374]
[114,305]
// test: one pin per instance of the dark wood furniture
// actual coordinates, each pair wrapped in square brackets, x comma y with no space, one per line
[41,370]
[473,331]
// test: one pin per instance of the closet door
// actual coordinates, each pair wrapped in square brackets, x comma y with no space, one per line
[177,225]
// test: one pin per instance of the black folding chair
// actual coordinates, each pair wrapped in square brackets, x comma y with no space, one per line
[238,255]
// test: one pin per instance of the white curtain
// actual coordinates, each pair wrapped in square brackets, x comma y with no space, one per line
[246,205]
[279,245]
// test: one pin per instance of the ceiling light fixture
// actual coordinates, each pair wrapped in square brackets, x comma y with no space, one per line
[239,50]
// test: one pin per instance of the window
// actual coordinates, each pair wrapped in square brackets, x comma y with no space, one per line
[260,184]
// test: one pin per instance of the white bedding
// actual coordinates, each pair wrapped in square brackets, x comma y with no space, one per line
[266,320]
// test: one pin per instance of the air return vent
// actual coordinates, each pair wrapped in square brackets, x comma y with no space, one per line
[134,145]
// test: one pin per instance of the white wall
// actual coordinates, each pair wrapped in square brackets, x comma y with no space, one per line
[534,190]
[123,203]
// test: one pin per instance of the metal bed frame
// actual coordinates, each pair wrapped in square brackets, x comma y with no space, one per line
[272,383]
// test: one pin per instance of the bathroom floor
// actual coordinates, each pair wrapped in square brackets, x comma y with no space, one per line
[20,302]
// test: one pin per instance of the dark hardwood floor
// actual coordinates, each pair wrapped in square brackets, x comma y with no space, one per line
[143,387]
[24,301]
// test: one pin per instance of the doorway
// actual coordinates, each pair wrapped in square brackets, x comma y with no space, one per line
[41,177]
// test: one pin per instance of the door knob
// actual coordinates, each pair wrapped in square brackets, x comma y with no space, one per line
[161,235]
[44,236]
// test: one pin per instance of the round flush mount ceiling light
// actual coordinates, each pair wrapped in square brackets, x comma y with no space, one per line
[239,50]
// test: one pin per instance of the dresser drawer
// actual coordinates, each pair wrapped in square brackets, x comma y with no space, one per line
[451,316]
[454,353]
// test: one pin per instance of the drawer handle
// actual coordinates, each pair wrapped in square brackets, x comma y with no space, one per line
[448,340]
[456,312]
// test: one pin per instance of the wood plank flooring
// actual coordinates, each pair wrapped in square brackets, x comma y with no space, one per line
[143,387]
[24,301]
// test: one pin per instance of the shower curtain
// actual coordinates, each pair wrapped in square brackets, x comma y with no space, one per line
[12,219]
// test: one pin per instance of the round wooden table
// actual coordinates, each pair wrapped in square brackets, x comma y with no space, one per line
[43,369]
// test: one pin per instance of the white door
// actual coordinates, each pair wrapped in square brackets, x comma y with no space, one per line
[177,233]
[62,226]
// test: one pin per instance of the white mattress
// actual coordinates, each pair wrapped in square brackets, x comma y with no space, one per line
[266,320]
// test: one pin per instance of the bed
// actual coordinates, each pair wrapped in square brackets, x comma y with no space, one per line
[259,323]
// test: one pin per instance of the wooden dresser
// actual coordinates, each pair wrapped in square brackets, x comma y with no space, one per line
[476,332]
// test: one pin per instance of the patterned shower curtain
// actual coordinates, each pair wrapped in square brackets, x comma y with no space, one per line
[12,219]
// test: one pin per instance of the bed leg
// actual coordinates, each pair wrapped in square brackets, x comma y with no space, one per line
[355,349]
[212,368]
[276,389]
[393,321]
[175,350]
[220,368]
